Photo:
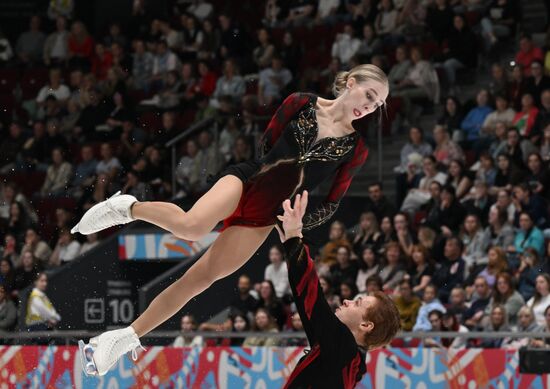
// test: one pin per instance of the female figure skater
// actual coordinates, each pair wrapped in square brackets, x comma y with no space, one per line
[308,139]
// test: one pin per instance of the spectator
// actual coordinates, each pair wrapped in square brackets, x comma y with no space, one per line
[452,268]
[211,41]
[386,228]
[378,203]
[545,327]
[56,49]
[208,162]
[400,68]
[92,241]
[368,234]
[458,178]
[529,268]
[9,251]
[348,290]
[102,60]
[502,114]
[405,238]
[439,20]
[26,273]
[30,44]
[472,240]
[474,120]
[41,314]
[420,83]
[263,54]
[84,174]
[345,45]
[543,117]
[538,180]
[344,269]
[81,46]
[296,325]
[452,117]
[142,66]
[163,62]
[290,52]
[526,323]
[8,311]
[368,266]
[499,142]
[300,12]
[186,166]
[423,269]
[497,323]
[545,144]
[478,201]
[499,84]
[473,316]
[66,249]
[239,323]
[457,303]
[462,49]
[446,150]
[7,275]
[518,86]
[263,322]
[386,21]
[538,82]
[10,148]
[525,118]
[393,270]
[337,238]
[188,324]
[107,169]
[38,247]
[505,295]
[435,319]
[229,84]
[58,175]
[514,148]
[507,176]
[206,83]
[408,305]
[421,195]
[244,301]
[136,187]
[416,145]
[527,53]
[273,82]
[527,236]
[496,264]
[449,322]
[430,303]
[232,38]
[18,221]
[499,21]
[370,44]
[333,299]
[277,272]
[531,203]
[541,300]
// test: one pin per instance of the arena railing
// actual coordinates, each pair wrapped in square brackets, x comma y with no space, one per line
[71,337]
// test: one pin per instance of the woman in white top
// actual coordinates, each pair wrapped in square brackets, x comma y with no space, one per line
[541,299]
[41,314]
[368,266]
[188,324]
[277,272]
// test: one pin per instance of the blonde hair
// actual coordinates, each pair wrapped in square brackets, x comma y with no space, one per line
[361,73]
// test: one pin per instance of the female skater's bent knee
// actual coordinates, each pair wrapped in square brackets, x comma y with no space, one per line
[190,228]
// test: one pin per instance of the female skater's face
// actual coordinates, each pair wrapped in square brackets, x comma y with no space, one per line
[363,98]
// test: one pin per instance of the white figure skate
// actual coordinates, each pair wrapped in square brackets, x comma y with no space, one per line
[114,211]
[104,351]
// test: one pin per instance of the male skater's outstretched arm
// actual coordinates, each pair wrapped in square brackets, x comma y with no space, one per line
[338,340]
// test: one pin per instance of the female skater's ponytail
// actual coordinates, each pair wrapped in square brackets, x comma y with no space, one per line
[360,73]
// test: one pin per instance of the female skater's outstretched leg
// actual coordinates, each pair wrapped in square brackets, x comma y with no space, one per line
[229,252]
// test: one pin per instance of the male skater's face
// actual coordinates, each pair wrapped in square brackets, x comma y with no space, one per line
[364,98]
[352,313]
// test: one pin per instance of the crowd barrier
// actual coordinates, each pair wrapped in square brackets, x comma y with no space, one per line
[260,367]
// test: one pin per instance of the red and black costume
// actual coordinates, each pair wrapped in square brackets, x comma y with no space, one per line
[335,360]
[294,160]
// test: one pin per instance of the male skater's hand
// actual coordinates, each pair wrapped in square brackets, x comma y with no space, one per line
[292,218]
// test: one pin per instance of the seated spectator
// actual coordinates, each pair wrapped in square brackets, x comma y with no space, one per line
[450,323]
[142,66]
[244,301]
[102,60]
[405,237]
[501,114]
[277,272]
[411,18]
[505,295]
[239,323]
[430,303]
[386,228]
[56,45]
[41,314]
[527,53]
[422,271]
[30,44]
[499,84]
[92,241]
[300,12]
[7,275]
[368,266]
[507,175]
[421,195]
[408,305]
[538,180]
[81,45]
[462,49]
[386,21]
[445,149]
[26,273]
[84,174]
[370,44]
[54,88]
[333,299]
[457,303]
[393,270]
[95,112]
[525,323]
[541,300]
[66,249]
[499,21]
[475,119]
[18,221]
[107,170]
[273,82]
[164,61]
[538,82]
[400,68]
[527,202]
[188,324]
[186,165]
[348,290]
[472,240]
[525,118]
[378,203]
[345,45]
[229,84]
[38,247]
[420,82]
[452,115]
[478,201]
[136,187]
[263,53]
[497,323]
[58,175]
[296,325]
[448,214]
[207,162]
[527,236]
[435,318]
[458,178]
[499,142]
[337,237]
[345,268]
[368,234]
[263,322]
[543,117]
[472,317]
[496,264]
[529,268]
[10,147]
[8,311]
[545,327]
[451,272]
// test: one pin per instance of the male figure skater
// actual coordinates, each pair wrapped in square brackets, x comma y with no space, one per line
[338,340]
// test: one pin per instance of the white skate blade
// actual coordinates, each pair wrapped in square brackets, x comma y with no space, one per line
[74,230]
[86,357]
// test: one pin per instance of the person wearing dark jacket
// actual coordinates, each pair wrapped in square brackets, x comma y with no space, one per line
[451,272]
[339,340]
[8,312]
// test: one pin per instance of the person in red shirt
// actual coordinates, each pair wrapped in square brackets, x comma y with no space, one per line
[81,45]
[527,53]
[207,80]
[101,61]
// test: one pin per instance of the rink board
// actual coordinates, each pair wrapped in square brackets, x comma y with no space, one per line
[223,367]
